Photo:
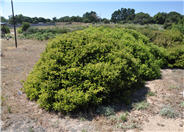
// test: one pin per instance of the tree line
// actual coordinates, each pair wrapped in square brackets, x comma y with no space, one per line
[123,15]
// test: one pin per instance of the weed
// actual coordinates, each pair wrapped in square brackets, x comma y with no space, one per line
[9,109]
[129,126]
[182,104]
[30,129]
[113,119]
[151,93]
[141,105]
[106,111]
[2,100]
[84,130]
[22,82]
[168,112]
[56,124]
[174,87]
[82,118]
[123,117]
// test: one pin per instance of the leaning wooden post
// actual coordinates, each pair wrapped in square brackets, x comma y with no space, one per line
[14,23]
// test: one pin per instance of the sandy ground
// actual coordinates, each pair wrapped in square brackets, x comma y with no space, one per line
[21,115]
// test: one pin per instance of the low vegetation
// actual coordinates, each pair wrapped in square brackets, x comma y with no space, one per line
[150,93]
[106,111]
[141,105]
[182,104]
[124,117]
[42,34]
[170,40]
[169,112]
[24,27]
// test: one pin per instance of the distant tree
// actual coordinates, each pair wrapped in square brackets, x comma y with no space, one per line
[3,19]
[19,19]
[160,18]
[143,18]
[41,19]
[64,19]
[116,16]
[105,20]
[76,19]
[90,17]
[123,15]
[35,20]
[54,19]
[27,19]
[172,18]
[48,20]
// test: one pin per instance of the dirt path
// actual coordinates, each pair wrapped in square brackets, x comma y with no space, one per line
[22,115]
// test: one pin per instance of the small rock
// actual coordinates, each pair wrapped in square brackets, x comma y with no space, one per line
[19,92]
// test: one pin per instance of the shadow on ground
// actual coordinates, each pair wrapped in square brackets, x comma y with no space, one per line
[106,110]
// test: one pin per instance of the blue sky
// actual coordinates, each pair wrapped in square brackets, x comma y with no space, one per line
[104,8]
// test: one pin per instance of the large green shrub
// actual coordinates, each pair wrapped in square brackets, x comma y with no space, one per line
[90,67]
[163,38]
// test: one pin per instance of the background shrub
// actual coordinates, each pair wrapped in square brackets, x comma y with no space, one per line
[175,57]
[92,66]
[4,30]
[42,34]
[25,26]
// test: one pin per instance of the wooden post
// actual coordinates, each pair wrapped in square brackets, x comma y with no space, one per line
[14,24]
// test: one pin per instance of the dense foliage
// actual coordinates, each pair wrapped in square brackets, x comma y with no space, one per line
[143,18]
[4,30]
[24,27]
[171,40]
[90,17]
[160,18]
[123,15]
[3,19]
[92,66]
[179,26]
[163,38]
[19,19]
[176,57]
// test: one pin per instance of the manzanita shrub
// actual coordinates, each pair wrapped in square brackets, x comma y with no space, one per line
[92,66]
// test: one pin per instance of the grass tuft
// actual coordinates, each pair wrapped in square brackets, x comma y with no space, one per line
[151,93]
[168,112]
[141,105]
[182,104]
[124,117]
[106,111]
